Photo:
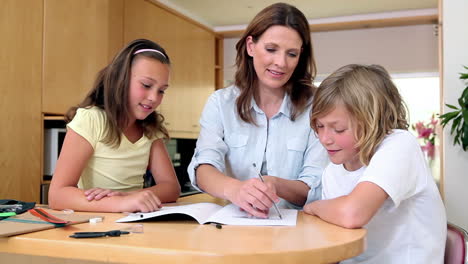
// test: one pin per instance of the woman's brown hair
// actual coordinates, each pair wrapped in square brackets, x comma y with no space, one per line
[299,86]
[110,93]
[371,98]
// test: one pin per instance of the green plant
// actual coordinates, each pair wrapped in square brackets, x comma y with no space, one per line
[459,117]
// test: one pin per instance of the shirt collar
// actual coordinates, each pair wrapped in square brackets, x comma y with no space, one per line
[285,107]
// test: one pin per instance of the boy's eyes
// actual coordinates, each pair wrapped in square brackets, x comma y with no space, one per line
[338,131]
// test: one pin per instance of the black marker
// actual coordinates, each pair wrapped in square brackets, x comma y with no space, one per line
[112,233]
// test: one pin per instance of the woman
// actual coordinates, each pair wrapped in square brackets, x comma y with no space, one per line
[261,124]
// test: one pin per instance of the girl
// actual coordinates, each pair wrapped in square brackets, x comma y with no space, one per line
[115,135]
[378,178]
[261,124]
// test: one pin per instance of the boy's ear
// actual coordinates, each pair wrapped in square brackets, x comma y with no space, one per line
[249,45]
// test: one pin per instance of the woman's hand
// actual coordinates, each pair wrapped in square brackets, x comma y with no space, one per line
[253,196]
[99,193]
[143,201]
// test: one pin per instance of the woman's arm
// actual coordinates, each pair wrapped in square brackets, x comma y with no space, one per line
[307,186]
[167,186]
[353,210]
[293,191]
[64,194]
[252,195]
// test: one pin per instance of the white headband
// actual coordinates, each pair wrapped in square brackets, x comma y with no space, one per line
[153,50]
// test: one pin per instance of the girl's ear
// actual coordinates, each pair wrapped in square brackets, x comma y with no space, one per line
[249,44]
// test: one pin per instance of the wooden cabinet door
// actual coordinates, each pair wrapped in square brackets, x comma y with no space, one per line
[20,99]
[191,49]
[80,38]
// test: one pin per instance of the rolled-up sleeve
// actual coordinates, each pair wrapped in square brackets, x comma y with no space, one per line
[315,160]
[210,148]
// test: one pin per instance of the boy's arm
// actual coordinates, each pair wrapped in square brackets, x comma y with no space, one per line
[353,210]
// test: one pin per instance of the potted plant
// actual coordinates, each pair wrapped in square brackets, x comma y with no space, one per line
[459,117]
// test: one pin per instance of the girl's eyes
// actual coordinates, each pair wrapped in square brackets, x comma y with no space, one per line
[270,50]
[292,55]
[161,91]
[339,131]
[146,85]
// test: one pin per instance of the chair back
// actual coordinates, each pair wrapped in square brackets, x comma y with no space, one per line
[456,245]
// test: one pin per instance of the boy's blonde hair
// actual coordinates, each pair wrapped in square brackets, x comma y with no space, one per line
[371,98]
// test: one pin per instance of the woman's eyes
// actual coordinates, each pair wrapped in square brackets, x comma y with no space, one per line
[290,54]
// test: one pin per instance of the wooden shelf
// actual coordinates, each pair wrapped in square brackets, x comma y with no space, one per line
[347,25]
[54,117]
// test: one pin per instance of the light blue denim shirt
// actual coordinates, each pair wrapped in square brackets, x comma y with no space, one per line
[291,148]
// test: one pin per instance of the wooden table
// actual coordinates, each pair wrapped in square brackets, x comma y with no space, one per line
[311,241]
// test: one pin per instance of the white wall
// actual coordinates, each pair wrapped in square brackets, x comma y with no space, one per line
[455,54]
[399,49]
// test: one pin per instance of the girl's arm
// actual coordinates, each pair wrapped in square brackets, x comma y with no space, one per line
[353,210]
[63,191]
[167,186]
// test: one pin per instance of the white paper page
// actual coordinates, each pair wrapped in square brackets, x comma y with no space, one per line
[232,215]
[200,211]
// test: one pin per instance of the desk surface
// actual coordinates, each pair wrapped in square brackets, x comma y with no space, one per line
[311,241]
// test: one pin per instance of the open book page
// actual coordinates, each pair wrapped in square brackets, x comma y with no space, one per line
[210,212]
[233,215]
[199,211]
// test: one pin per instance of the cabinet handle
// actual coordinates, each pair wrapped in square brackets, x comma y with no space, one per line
[194,125]
[167,123]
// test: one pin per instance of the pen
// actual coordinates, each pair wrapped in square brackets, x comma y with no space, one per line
[10,207]
[112,233]
[274,204]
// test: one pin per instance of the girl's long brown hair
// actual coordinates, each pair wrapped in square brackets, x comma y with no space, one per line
[110,93]
[299,87]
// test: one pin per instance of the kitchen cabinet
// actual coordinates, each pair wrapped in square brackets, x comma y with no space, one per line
[51,54]
[191,48]
[80,38]
[20,99]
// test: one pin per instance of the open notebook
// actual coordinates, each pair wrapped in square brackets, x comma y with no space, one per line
[213,213]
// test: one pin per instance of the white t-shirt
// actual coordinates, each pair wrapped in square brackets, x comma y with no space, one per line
[411,225]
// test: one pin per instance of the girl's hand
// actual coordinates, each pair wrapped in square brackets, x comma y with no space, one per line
[144,201]
[253,196]
[99,193]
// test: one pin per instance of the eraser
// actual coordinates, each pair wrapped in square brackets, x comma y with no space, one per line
[95,220]
[68,211]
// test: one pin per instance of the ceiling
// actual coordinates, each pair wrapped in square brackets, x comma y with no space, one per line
[224,13]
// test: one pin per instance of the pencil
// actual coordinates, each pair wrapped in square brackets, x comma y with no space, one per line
[274,204]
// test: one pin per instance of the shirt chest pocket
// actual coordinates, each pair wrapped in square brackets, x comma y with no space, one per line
[295,155]
[297,144]
[236,140]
